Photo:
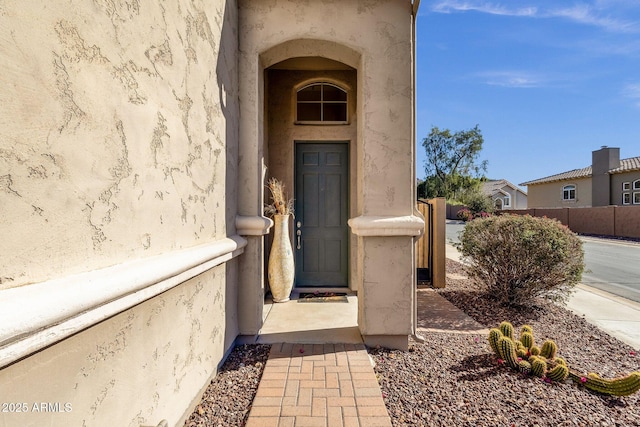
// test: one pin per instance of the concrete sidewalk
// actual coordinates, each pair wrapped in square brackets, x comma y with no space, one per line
[617,316]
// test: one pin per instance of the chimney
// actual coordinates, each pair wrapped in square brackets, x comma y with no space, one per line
[602,161]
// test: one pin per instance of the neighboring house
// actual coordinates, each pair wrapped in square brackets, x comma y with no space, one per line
[135,143]
[608,181]
[504,194]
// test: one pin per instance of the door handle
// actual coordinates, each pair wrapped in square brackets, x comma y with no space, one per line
[298,233]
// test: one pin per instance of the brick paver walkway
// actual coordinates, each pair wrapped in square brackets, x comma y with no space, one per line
[318,385]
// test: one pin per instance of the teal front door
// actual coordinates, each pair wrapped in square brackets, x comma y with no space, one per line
[321,233]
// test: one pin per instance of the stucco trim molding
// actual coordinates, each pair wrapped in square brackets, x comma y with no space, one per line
[310,47]
[35,316]
[409,225]
[253,225]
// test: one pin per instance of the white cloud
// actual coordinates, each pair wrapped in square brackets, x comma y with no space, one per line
[515,79]
[588,15]
[632,90]
[600,14]
[449,6]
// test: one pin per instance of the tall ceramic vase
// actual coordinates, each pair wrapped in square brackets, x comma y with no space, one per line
[281,268]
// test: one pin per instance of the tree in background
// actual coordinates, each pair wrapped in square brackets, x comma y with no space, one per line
[452,165]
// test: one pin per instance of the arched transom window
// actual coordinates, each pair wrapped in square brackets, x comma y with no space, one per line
[569,192]
[321,103]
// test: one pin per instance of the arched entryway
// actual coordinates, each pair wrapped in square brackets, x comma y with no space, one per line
[375,71]
[311,145]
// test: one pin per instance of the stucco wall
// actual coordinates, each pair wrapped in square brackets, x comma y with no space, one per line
[117,121]
[518,200]
[119,141]
[616,186]
[144,365]
[375,39]
[384,83]
[550,195]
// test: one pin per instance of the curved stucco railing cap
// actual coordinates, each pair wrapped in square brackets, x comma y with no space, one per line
[35,316]
[253,225]
[409,225]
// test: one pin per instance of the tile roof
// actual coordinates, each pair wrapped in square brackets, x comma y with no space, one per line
[491,186]
[626,165]
[572,174]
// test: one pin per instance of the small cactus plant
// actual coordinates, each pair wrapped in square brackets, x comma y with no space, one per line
[623,386]
[494,336]
[549,349]
[538,366]
[558,373]
[522,355]
[508,352]
[507,329]
[524,367]
[526,338]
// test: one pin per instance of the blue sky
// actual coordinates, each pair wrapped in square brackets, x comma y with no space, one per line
[547,81]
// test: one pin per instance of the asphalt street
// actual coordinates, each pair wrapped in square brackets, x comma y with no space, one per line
[611,266]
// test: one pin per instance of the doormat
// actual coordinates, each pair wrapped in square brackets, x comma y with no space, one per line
[323,297]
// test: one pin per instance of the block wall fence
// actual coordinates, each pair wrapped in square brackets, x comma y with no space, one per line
[614,221]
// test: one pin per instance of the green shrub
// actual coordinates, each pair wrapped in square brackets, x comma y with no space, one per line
[464,214]
[518,258]
[477,202]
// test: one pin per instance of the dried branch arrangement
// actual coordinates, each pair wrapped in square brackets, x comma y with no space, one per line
[280,204]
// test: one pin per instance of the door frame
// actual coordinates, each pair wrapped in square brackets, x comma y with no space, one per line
[347,143]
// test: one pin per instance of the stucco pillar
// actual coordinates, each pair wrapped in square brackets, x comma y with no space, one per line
[251,273]
[385,291]
[251,170]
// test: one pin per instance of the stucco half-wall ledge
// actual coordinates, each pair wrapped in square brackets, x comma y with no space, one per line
[253,225]
[409,225]
[35,316]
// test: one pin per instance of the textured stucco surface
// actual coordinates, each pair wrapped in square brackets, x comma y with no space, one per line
[117,123]
[381,293]
[550,195]
[134,369]
[119,141]
[617,180]
[374,38]
[130,129]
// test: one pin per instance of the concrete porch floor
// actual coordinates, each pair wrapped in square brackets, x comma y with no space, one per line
[311,322]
